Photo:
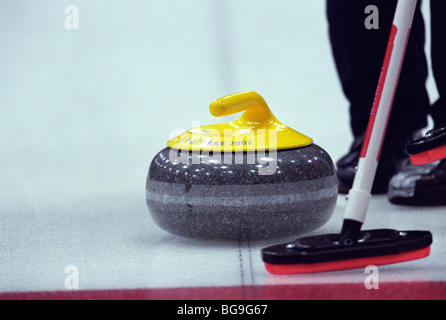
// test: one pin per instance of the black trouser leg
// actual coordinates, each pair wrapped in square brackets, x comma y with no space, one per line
[438,29]
[359,54]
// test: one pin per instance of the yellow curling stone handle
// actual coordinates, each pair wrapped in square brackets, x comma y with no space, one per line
[256,129]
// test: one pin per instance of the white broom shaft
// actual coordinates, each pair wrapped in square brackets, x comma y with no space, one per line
[360,194]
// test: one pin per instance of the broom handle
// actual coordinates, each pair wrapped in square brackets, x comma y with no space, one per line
[360,195]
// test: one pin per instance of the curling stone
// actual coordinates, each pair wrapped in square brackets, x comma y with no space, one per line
[250,178]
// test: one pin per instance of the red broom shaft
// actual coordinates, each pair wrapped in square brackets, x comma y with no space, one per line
[360,194]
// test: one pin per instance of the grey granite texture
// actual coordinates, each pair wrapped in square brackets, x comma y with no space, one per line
[241,195]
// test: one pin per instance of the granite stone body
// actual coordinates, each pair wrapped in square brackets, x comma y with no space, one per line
[255,195]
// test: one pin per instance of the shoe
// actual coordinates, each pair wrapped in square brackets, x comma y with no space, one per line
[392,157]
[423,185]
